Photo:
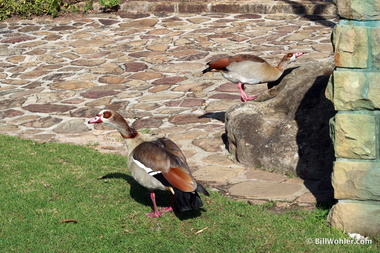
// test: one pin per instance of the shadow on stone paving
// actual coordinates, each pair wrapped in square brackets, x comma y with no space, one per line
[214,115]
[316,16]
[221,117]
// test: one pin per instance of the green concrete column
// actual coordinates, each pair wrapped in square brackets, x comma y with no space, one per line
[355,91]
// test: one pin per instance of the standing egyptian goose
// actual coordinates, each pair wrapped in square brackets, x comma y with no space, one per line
[157,164]
[249,69]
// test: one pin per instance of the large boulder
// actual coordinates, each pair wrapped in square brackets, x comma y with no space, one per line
[286,129]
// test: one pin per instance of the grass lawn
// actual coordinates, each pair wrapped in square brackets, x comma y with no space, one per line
[44,184]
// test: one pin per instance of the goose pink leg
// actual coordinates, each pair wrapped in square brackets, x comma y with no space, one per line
[170,208]
[155,212]
[244,96]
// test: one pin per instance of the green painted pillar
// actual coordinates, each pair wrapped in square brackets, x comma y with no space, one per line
[355,91]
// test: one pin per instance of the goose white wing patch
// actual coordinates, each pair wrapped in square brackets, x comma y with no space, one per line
[148,170]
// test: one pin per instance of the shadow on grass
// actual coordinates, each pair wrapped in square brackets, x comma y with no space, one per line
[141,195]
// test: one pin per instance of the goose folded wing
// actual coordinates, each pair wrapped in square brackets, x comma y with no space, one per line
[163,155]
[225,62]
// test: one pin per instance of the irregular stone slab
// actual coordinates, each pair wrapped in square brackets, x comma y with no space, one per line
[16,59]
[265,176]
[33,44]
[209,144]
[147,123]
[307,198]
[145,106]
[188,119]
[145,76]
[159,88]
[33,74]
[73,85]
[88,63]
[85,112]
[160,97]
[108,87]
[356,90]
[12,103]
[73,101]
[193,57]
[15,82]
[10,113]
[216,173]
[18,39]
[351,46]
[228,87]
[57,77]
[98,94]
[188,135]
[141,23]
[48,108]
[52,97]
[169,80]
[72,126]
[11,51]
[356,180]
[355,135]
[159,47]
[178,67]
[100,102]
[196,87]
[23,119]
[43,122]
[210,127]
[187,102]
[112,79]
[226,96]
[9,128]
[353,217]
[63,28]
[121,106]
[135,66]
[358,10]
[222,105]
[108,21]
[218,158]
[89,43]
[25,93]
[271,191]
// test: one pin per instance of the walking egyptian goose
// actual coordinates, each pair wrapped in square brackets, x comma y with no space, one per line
[249,69]
[157,164]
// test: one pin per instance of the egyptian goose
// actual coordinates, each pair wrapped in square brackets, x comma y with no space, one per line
[249,69]
[157,164]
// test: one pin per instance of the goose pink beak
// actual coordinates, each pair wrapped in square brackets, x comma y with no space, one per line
[97,119]
[298,54]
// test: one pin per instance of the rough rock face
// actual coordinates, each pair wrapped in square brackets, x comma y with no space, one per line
[287,127]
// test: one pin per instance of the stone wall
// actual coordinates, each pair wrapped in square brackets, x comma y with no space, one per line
[304,7]
[355,92]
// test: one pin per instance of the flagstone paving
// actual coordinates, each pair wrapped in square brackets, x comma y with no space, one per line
[56,74]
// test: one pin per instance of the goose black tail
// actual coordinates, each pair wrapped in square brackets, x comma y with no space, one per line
[186,201]
[206,70]
[202,190]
